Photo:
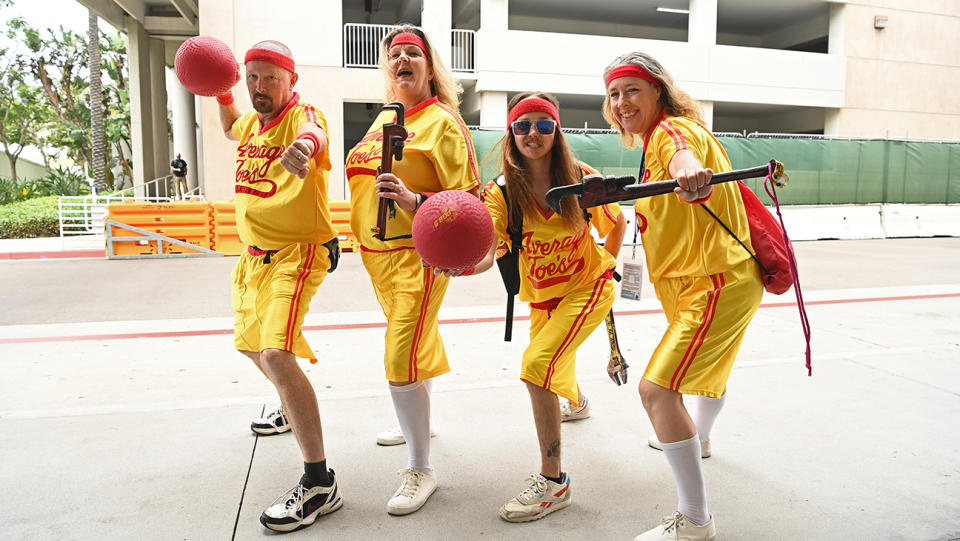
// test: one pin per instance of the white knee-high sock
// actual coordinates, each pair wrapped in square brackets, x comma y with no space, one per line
[684,459]
[412,404]
[704,413]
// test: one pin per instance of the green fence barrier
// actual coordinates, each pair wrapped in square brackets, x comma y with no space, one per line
[821,171]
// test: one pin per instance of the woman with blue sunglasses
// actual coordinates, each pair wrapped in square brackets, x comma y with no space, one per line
[565,276]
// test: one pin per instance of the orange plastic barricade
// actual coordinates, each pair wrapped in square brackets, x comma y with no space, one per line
[226,239]
[340,216]
[185,221]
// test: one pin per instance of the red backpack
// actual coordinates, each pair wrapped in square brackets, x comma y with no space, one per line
[773,247]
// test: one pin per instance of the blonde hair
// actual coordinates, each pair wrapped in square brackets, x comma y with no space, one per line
[564,170]
[443,86]
[674,101]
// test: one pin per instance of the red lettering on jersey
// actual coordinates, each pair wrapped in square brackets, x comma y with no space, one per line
[253,164]
[642,220]
[555,261]
[646,175]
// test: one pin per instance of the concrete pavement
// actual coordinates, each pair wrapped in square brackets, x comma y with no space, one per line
[124,411]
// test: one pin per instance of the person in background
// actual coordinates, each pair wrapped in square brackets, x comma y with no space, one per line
[179,169]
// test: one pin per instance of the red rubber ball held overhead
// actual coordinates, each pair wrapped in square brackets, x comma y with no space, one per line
[206,66]
[452,230]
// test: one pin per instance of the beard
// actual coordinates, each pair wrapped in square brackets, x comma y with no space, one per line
[262,103]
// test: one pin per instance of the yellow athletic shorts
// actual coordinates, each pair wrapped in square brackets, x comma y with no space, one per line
[708,317]
[410,297]
[550,360]
[271,296]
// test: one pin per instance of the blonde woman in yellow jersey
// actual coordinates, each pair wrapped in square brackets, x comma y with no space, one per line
[283,216]
[438,155]
[564,275]
[708,285]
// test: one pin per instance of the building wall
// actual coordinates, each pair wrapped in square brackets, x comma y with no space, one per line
[902,80]
[26,169]
[895,82]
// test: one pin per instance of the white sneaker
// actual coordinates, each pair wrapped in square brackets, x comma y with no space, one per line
[652,441]
[541,498]
[677,527]
[394,436]
[275,422]
[416,487]
[301,506]
[569,413]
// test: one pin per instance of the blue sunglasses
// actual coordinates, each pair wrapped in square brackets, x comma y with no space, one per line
[544,127]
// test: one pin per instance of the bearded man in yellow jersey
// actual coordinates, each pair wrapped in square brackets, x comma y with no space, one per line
[284,218]
[709,286]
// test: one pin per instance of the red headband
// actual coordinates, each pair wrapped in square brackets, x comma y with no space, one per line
[532,104]
[272,57]
[411,38]
[632,70]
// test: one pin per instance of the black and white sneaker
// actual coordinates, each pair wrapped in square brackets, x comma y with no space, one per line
[299,507]
[274,423]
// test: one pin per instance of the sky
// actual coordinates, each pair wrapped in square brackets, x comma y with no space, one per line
[50,13]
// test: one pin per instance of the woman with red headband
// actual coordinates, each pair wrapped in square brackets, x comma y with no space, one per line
[708,285]
[564,275]
[438,155]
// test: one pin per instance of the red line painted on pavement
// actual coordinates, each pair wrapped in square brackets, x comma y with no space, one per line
[458,321]
[59,254]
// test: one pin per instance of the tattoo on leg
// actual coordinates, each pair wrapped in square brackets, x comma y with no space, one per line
[554,449]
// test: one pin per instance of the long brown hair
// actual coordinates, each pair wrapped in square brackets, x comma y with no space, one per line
[674,101]
[564,170]
[443,86]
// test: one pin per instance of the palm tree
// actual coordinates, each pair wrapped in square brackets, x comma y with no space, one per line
[96,102]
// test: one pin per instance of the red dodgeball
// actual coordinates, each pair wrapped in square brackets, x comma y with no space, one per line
[206,66]
[452,230]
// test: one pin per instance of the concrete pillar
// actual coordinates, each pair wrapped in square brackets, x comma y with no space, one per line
[493,109]
[707,108]
[436,19]
[494,14]
[158,110]
[831,121]
[141,112]
[198,169]
[702,22]
[184,126]
[835,32]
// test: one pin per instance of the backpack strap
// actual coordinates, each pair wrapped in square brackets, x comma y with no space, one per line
[736,238]
[509,263]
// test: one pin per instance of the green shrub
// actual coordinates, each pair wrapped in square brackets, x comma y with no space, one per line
[30,218]
[62,181]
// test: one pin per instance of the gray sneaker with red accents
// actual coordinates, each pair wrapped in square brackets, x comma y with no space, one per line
[541,498]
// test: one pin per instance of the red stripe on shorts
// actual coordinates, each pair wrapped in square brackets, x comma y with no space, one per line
[700,336]
[297,295]
[574,329]
[412,369]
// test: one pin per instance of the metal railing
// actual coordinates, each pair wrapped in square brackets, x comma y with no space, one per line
[85,214]
[464,51]
[361,44]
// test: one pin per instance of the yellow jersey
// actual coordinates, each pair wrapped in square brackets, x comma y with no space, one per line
[680,239]
[438,155]
[554,261]
[275,208]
